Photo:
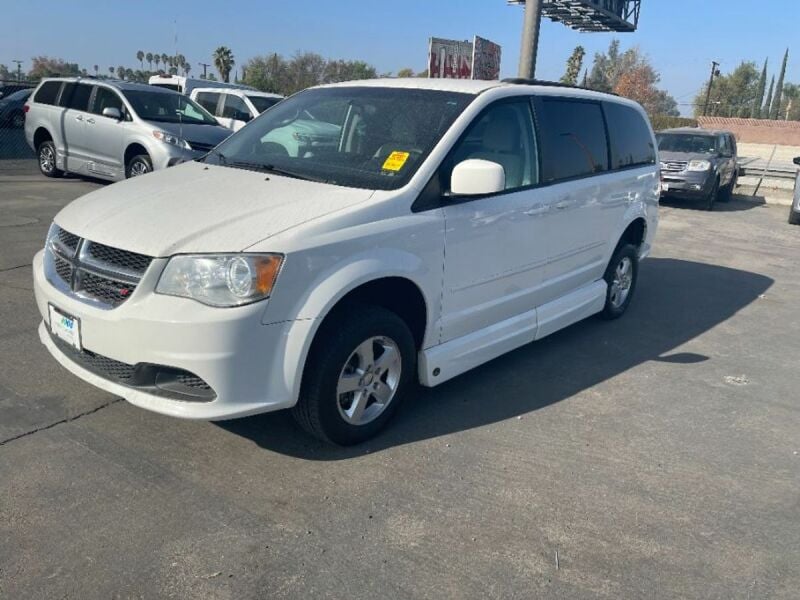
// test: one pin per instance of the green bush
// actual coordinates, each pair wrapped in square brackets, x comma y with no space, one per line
[660,122]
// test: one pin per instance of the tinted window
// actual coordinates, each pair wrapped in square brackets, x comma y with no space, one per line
[686,142]
[631,141]
[106,98]
[208,100]
[503,134]
[167,107]
[573,138]
[235,108]
[48,92]
[76,96]
[262,103]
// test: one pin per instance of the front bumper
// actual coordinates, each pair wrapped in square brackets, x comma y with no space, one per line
[250,367]
[165,155]
[695,185]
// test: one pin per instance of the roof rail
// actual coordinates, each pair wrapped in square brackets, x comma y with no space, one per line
[526,81]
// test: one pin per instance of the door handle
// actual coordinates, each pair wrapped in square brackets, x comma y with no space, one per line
[562,205]
[79,118]
[90,120]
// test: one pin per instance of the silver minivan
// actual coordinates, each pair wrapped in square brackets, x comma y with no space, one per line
[114,129]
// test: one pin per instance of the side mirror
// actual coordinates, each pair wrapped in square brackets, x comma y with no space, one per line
[475,177]
[244,116]
[112,113]
[796,160]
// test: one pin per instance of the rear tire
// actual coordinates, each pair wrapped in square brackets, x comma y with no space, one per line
[361,364]
[621,276]
[47,159]
[138,165]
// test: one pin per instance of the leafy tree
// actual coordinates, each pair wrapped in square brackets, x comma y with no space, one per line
[44,66]
[267,73]
[732,95]
[111,70]
[224,61]
[305,69]
[121,72]
[186,68]
[149,58]
[585,82]
[140,58]
[755,113]
[4,72]
[765,112]
[211,77]
[406,72]
[574,65]
[344,70]
[423,74]
[791,102]
[776,101]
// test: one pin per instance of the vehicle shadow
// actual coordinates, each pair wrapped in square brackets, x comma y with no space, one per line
[738,202]
[665,314]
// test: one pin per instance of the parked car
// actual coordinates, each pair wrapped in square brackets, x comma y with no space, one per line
[6,89]
[12,109]
[115,129]
[447,227]
[185,85]
[698,164]
[234,108]
[794,210]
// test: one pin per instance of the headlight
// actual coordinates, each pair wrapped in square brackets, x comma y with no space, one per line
[221,280]
[699,165]
[170,139]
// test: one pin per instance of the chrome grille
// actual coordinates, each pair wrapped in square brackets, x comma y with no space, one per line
[674,166]
[93,272]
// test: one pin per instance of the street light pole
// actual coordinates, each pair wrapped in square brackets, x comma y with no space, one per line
[714,65]
[530,39]
[204,65]
[19,69]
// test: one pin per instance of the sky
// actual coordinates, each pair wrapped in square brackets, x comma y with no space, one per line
[681,37]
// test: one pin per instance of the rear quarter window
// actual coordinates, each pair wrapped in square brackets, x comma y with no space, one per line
[631,142]
[47,93]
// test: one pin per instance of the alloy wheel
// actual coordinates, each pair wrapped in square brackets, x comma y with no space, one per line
[621,285]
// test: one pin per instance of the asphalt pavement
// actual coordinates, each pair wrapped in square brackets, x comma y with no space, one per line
[657,456]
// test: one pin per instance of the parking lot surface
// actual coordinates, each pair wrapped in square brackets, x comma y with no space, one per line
[656,456]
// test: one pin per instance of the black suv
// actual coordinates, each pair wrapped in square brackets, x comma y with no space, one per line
[698,164]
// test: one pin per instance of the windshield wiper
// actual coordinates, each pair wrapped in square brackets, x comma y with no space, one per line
[222,159]
[269,168]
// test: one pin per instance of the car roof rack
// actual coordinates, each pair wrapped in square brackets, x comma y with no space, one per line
[526,81]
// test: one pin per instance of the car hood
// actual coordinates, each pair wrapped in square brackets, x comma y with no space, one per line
[196,207]
[684,156]
[194,132]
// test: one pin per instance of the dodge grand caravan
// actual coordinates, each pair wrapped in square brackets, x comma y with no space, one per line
[450,223]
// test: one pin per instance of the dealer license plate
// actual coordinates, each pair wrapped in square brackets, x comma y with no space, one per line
[66,327]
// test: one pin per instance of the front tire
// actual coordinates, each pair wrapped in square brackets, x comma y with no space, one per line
[47,159]
[794,216]
[621,276]
[712,196]
[727,193]
[361,364]
[138,165]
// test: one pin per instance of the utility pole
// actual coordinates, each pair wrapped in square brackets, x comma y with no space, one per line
[205,66]
[714,65]
[530,39]
[19,69]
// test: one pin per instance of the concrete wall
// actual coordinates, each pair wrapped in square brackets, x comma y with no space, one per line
[757,131]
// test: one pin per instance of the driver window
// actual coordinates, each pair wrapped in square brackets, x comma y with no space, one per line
[235,108]
[503,134]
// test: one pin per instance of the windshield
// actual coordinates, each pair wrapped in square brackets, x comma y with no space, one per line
[689,143]
[373,138]
[261,103]
[167,108]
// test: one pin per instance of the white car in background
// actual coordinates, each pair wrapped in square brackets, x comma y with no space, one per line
[185,85]
[233,108]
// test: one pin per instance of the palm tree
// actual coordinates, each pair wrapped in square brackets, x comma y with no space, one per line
[186,68]
[111,70]
[223,61]
[121,72]
[96,69]
[164,58]
[140,57]
[149,57]
[157,59]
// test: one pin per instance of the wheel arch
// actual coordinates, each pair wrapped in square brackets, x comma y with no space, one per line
[42,134]
[133,149]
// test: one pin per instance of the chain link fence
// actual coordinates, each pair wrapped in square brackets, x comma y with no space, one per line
[16,157]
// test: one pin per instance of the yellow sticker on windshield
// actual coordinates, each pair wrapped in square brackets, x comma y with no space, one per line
[395,161]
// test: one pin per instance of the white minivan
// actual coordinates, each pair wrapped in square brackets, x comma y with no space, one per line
[451,222]
[234,108]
